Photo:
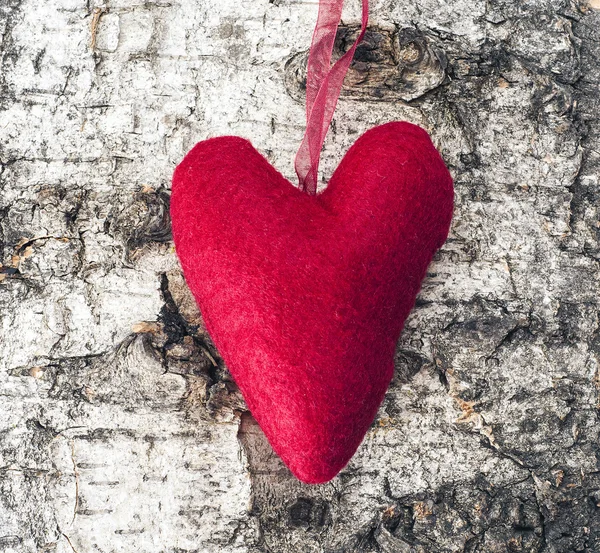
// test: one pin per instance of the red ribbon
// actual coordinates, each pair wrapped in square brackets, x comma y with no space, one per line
[323,87]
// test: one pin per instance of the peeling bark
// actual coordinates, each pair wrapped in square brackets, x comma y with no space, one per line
[120,427]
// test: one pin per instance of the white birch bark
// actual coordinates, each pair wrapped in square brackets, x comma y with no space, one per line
[120,429]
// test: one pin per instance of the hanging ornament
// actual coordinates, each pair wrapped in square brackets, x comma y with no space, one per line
[303,293]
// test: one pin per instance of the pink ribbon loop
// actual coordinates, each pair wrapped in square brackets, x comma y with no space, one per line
[323,87]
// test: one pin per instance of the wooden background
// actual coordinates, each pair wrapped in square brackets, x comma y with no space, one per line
[120,429]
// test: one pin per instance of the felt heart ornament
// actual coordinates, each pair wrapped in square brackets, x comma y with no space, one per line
[305,294]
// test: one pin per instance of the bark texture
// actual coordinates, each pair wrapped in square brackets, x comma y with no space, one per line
[120,429]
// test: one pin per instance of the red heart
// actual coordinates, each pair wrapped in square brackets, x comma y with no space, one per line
[305,296]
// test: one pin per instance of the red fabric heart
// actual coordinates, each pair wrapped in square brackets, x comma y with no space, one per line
[305,296]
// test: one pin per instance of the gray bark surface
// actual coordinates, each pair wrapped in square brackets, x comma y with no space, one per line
[120,428]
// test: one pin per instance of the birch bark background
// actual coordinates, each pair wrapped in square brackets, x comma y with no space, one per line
[120,429]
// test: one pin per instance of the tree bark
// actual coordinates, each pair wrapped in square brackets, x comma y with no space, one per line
[120,428]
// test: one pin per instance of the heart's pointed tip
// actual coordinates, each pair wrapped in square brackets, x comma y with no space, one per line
[315,479]
[315,474]
[316,451]
[317,454]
